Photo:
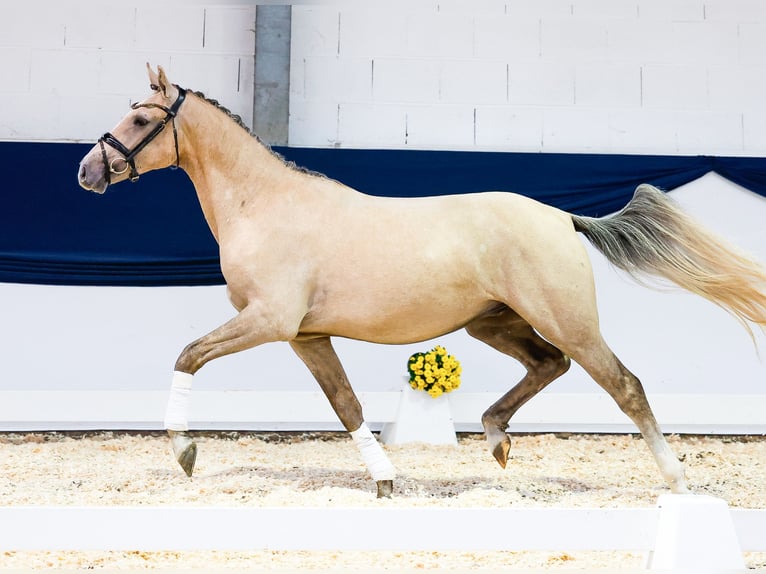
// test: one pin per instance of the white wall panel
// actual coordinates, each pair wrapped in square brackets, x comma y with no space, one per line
[716,133]
[607,84]
[397,80]
[436,127]
[585,129]
[509,127]
[229,29]
[105,26]
[500,37]
[541,83]
[471,82]
[674,87]
[169,26]
[635,60]
[755,132]
[354,129]
[86,60]
[573,38]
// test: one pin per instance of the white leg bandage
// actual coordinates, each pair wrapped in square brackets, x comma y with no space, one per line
[376,460]
[176,415]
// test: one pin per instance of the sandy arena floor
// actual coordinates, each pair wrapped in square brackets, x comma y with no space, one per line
[324,469]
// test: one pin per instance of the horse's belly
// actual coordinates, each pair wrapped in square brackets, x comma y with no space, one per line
[395,323]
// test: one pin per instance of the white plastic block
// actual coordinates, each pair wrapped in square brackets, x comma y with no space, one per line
[172,27]
[575,129]
[372,125]
[440,126]
[504,37]
[517,128]
[439,35]
[674,87]
[568,39]
[230,29]
[14,71]
[64,71]
[313,124]
[100,25]
[541,83]
[695,533]
[612,85]
[374,30]
[405,80]
[474,82]
[336,79]
[421,418]
[314,31]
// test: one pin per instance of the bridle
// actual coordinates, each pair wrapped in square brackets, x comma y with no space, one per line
[129,155]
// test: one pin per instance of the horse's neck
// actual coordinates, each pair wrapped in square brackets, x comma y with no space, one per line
[227,165]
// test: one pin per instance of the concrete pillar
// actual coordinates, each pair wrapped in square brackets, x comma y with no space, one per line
[271,104]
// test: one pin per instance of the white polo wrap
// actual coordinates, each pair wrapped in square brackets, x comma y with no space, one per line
[372,453]
[177,413]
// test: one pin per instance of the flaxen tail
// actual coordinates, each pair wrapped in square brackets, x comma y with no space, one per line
[652,236]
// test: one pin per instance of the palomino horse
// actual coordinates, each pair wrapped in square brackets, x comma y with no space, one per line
[307,258]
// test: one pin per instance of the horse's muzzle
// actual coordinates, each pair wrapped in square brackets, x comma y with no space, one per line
[91,176]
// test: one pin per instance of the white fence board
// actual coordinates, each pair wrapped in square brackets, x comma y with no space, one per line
[305,410]
[298,528]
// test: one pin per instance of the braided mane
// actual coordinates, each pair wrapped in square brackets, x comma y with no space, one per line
[237,119]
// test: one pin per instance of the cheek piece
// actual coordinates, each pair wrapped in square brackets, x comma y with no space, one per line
[129,155]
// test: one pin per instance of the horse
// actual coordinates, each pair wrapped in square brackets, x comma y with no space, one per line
[306,258]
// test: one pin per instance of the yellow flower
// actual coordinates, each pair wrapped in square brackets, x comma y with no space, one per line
[435,371]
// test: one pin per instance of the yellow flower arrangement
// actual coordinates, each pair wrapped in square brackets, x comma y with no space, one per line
[435,372]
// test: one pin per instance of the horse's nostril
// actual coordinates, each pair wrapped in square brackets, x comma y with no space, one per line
[83,173]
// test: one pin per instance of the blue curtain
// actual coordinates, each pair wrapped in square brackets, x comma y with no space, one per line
[153,233]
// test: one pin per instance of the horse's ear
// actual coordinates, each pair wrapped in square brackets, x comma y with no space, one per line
[164,86]
[154,79]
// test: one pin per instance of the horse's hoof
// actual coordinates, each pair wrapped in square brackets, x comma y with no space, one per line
[184,449]
[385,488]
[501,450]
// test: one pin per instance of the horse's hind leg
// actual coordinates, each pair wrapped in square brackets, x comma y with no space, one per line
[507,332]
[320,358]
[627,391]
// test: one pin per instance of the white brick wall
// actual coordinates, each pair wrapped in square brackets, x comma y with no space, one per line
[611,76]
[70,68]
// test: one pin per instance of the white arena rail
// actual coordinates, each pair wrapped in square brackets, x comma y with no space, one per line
[702,541]
[309,410]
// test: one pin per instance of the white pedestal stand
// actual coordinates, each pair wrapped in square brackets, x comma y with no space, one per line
[420,418]
[695,533]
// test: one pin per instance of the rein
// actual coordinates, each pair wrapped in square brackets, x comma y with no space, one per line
[129,155]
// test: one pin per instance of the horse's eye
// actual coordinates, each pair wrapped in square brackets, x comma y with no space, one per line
[140,121]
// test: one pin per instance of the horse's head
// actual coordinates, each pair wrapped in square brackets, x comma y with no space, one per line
[140,142]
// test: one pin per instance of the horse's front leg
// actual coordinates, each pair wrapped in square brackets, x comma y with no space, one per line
[321,359]
[242,332]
